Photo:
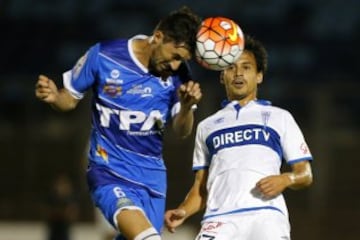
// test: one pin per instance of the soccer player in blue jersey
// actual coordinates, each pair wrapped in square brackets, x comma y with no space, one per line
[139,85]
[237,158]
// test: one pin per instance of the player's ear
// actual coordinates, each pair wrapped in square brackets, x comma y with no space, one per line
[259,77]
[222,77]
[157,37]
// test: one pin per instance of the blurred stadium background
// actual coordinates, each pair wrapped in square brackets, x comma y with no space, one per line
[313,72]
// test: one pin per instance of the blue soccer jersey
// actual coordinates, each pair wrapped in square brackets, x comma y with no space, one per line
[130,108]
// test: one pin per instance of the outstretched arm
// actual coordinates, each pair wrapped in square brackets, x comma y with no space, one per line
[189,94]
[299,177]
[60,99]
[194,202]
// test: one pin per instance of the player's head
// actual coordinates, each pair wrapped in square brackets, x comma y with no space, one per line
[174,40]
[257,48]
[242,78]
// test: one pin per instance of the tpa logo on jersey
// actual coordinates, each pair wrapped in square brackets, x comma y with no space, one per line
[129,118]
[140,90]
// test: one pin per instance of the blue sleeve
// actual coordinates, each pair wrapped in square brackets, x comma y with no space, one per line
[83,75]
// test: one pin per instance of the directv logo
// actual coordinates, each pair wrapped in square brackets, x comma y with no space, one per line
[240,136]
[243,135]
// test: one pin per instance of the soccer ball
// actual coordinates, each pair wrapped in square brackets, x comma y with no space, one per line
[219,43]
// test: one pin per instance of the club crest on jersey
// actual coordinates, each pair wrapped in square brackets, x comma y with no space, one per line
[165,83]
[265,116]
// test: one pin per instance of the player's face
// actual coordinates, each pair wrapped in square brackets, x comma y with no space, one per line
[241,79]
[167,57]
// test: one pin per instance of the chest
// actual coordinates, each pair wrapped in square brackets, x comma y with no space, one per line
[128,87]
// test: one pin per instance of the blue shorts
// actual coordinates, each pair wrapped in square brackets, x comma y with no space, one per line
[109,198]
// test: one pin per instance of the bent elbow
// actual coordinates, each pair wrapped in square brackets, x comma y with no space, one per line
[309,181]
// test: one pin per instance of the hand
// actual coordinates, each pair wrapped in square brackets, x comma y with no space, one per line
[189,94]
[174,218]
[46,90]
[272,186]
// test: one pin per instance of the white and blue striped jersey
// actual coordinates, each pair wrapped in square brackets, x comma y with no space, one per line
[130,107]
[241,145]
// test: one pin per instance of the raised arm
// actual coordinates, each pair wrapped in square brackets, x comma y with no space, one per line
[60,99]
[193,203]
[189,94]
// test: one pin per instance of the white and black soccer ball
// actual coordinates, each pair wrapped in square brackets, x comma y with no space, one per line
[219,43]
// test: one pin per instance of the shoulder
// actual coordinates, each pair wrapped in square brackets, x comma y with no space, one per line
[277,114]
[274,109]
[211,120]
[112,45]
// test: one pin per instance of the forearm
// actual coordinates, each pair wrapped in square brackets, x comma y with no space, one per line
[64,101]
[193,203]
[300,177]
[195,200]
[183,122]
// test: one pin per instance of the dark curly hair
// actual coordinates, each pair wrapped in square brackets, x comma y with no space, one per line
[180,26]
[257,48]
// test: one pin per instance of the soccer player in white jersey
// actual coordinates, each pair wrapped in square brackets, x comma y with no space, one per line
[237,158]
[139,85]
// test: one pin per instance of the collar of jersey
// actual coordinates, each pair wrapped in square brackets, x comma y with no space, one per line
[139,64]
[132,54]
[237,106]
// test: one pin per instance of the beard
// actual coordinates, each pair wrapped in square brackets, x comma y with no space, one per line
[155,70]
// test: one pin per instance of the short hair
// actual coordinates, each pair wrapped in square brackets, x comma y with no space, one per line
[257,48]
[181,26]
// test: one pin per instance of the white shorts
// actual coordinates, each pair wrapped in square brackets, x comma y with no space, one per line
[259,225]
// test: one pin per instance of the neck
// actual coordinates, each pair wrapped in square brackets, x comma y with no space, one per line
[244,100]
[142,50]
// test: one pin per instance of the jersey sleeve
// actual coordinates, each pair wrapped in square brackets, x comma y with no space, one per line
[83,75]
[201,157]
[293,143]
